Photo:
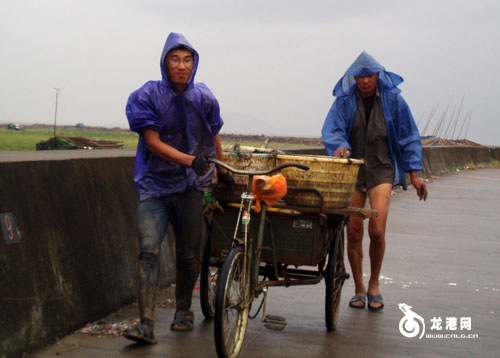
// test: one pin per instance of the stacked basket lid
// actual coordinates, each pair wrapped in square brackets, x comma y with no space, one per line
[335,178]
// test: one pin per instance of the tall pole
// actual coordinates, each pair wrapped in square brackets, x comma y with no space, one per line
[468,122]
[440,123]
[456,120]
[433,110]
[450,122]
[55,117]
[463,124]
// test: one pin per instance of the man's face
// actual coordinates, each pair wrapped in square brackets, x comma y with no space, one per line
[179,65]
[367,85]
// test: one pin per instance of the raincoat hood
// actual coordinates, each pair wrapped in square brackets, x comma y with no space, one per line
[175,40]
[366,65]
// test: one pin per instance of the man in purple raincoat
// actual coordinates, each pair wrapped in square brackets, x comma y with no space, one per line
[178,122]
[369,119]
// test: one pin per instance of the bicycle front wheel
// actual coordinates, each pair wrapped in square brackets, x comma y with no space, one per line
[231,308]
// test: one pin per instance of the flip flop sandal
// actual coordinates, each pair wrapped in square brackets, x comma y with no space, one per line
[377,299]
[183,321]
[140,334]
[357,299]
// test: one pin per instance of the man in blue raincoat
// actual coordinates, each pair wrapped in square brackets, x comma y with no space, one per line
[369,119]
[178,122]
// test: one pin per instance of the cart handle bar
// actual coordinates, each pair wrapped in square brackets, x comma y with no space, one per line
[258,172]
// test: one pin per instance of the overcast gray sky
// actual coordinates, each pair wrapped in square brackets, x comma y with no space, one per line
[271,62]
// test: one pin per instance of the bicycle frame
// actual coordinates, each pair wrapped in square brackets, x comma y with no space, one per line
[252,249]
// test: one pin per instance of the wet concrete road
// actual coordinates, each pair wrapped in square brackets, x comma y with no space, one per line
[442,259]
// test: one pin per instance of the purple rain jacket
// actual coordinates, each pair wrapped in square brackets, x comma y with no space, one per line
[405,145]
[186,121]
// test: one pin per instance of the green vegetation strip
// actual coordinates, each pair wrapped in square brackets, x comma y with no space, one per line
[27,139]
[494,164]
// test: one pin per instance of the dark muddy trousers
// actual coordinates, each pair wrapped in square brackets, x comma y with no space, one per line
[183,211]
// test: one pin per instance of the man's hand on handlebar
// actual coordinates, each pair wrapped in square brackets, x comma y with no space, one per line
[200,165]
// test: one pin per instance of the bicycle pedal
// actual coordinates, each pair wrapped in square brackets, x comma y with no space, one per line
[275,318]
[276,323]
[274,327]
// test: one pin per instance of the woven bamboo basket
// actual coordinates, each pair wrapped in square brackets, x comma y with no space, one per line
[335,178]
[246,161]
[253,161]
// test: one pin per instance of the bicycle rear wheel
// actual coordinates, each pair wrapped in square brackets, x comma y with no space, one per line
[231,310]
[335,277]
[208,282]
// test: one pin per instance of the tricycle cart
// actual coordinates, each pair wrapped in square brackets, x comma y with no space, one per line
[284,245]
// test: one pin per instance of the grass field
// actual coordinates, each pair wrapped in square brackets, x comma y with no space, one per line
[26,139]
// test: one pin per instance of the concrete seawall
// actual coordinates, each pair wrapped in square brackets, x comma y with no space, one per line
[76,255]
[440,160]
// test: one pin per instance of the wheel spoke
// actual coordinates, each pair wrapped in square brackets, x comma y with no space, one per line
[230,326]
[208,283]
[231,316]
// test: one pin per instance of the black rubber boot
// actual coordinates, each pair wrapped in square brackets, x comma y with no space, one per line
[141,334]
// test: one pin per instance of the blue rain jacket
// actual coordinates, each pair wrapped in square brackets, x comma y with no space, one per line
[187,121]
[404,139]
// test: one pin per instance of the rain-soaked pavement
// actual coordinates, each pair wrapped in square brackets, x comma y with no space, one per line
[442,259]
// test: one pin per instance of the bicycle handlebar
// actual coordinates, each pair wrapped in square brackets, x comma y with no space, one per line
[258,172]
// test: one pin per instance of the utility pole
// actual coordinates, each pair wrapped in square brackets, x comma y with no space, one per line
[55,117]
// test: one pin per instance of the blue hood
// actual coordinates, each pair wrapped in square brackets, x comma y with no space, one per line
[175,40]
[366,65]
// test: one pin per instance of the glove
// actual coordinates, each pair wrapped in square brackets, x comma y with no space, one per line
[226,179]
[200,165]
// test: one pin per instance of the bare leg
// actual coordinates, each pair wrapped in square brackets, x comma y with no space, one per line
[380,197]
[355,245]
